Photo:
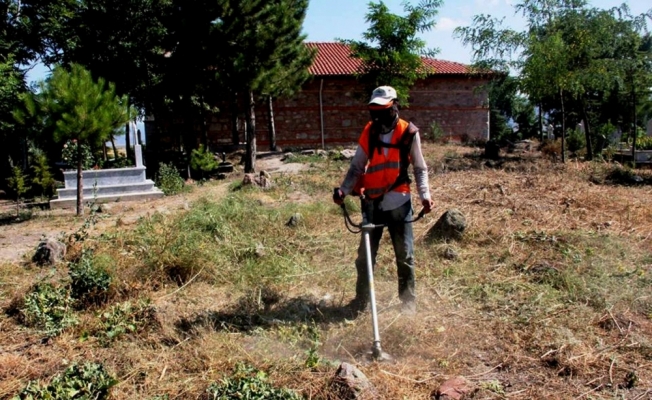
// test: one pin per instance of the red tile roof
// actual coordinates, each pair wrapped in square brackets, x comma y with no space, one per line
[335,59]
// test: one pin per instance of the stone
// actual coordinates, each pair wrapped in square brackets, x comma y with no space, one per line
[263,180]
[347,154]
[451,225]
[351,384]
[288,157]
[451,254]
[224,167]
[49,252]
[453,389]
[294,220]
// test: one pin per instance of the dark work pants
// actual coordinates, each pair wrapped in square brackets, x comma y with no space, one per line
[403,241]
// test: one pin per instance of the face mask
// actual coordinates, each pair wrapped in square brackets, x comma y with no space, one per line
[385,117]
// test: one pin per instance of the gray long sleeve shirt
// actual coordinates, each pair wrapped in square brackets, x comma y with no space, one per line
[392,199]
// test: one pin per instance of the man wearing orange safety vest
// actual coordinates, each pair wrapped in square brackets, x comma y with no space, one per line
[387,146]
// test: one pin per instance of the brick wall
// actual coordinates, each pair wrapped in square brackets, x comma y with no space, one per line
[455,103]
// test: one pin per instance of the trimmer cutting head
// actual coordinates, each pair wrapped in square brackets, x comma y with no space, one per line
[378,355]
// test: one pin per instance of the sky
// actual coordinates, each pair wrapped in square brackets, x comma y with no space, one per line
[328,20]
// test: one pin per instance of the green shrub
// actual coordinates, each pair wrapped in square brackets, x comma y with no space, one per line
[203,160]
[89,279]
[644,143]
[575,141]
[42,178]
[69,155]
[248,383]
[124,318]
[168,179]
[49,309]
[88,382]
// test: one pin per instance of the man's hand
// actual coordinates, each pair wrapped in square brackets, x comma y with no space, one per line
[428,205]
[338,196]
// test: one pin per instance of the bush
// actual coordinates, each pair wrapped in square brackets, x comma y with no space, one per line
[644,143]
[49,309]
[89,279]
[124,318]
[169,180]
[69,155]
[248,383]
[203,160]
[90,381]
[575,141]
[43,179]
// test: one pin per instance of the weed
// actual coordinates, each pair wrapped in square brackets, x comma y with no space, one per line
[169,180]
[89,381]
[49,309]
[124,318]
[89,277]
[248,383]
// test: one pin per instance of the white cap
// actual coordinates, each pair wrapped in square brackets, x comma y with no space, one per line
[383,95]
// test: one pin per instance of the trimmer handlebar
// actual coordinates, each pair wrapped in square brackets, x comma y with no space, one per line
[349,223]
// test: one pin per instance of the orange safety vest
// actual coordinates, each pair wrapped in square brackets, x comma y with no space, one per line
[386,173]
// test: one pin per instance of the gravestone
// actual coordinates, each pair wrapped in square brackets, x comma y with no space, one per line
[108,185]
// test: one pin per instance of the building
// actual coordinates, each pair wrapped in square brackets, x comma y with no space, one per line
[331,108]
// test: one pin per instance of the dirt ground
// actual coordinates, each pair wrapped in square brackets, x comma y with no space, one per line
[19,239]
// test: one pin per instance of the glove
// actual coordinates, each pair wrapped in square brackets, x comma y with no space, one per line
[428,205]
[338,196]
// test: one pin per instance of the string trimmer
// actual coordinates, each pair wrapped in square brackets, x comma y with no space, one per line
[377,354]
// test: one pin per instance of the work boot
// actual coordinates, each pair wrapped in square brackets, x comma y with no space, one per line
[409,307]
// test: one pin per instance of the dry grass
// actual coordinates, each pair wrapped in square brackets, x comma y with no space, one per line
[550,297]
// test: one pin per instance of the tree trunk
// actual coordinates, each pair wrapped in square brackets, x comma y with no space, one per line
[80,182]
[115,149]
[541,122]
[563,128]
[635,131]
[250,156]
[587,133]
[127,142]
[235,135]
[272,128]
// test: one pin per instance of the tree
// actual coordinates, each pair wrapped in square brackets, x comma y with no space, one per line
[570,56]
[73,106]
[391,51]
[254,54]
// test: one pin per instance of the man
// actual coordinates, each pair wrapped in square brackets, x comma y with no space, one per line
[386,147]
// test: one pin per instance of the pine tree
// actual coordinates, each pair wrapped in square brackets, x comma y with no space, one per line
[73,106]
[262,54]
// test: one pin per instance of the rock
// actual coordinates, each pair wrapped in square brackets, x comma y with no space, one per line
[451,225]
[263,180]
[453,389]
[350,383]
[49,252]
[224,167]
[451,254]
[308,152]
[260,250]
[288,156]
[347,154]
[294,220]
[103,208]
